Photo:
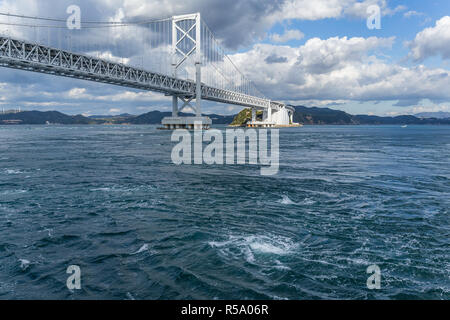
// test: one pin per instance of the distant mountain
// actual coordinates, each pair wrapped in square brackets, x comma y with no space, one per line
[123,115]
[436,115]
[219,119]
[55,117]
[326,116]
[155,117]
[38,117]
[363,119]
[305,115]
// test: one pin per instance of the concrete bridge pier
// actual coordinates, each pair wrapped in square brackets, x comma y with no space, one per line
[177,122]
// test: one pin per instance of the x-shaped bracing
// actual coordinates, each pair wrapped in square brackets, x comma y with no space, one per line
[187,103]
[185,35]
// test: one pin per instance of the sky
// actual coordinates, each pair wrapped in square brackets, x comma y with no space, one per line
[313,53]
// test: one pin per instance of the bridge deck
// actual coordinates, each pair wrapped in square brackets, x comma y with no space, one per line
[23,55]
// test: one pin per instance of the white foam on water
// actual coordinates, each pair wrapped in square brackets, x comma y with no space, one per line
[280,266]
[24,264]
[358,261]
[279,298]
[100,189]
[144,248]
[308,202]
[124,189]
[12,192]
[12,171]
[267,247]
[252,247]
[49,232]
[286,201]
[130,296]
[249,256]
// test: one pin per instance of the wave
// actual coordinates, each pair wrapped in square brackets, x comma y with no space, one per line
[256,247]
[308,202]
[12,192]
[286,201]
[12,171]
[144,248]
[124,189]
[281,266]
[100,189]
[24,264]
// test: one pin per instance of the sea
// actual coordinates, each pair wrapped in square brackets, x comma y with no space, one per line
[347,200]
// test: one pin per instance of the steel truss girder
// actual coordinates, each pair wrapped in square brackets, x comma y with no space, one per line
[18,54]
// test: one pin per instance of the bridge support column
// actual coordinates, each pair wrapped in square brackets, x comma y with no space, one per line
[198,90]
[269,114]
[174,106]
[253,115]
[198,63]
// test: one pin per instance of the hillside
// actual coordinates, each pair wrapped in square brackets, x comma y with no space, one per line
[326,116]
[244,117]
[55,117]
[436,115]
[37,117]
[155,117]
[312,116]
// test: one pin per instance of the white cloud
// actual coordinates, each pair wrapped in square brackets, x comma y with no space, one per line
[325,9]
[359,9]
[287,36]
[434,41]
[430,108]
[323,56]
[412,13]
[121,96]
[77,93]
[254,17]
[114,110]
[311,10]
[141,96]
[341,69]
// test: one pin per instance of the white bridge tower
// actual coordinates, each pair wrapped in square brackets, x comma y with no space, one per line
[186,47]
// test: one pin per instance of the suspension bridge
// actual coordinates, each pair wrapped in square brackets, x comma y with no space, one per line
[178,57]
